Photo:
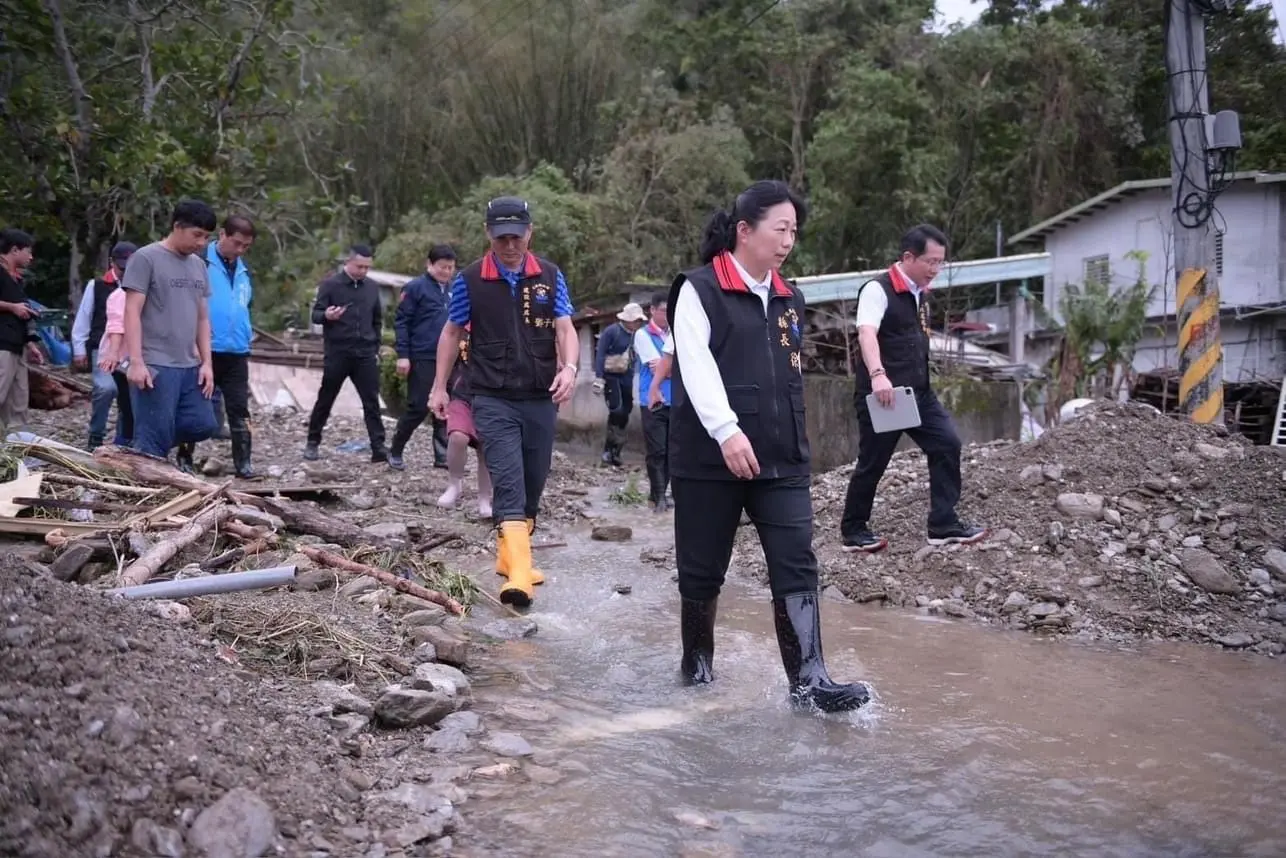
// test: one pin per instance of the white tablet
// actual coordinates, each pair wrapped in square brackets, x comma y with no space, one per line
[903,414]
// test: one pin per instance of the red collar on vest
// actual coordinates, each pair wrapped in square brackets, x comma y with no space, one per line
[730,280]
[655,331]
[110,276]
[491,267]
[900,283]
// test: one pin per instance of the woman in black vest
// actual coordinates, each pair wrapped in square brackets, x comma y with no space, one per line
[737,437]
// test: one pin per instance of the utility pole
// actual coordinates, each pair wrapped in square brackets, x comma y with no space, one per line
[1197,287]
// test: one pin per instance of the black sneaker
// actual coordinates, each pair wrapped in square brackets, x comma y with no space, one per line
[379,457]
[310,453]
[395,462]
[183,457]
[864,540]
[957,534]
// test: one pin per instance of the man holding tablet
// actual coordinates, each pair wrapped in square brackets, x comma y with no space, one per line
[893,333]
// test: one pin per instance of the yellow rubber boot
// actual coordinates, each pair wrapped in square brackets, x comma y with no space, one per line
[519,589]
[502,560]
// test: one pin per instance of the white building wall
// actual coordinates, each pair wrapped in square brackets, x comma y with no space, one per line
[1252,258]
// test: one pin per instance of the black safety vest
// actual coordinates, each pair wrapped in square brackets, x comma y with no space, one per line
[513,351]
[903,336]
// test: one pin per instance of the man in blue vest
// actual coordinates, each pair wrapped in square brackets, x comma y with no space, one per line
[421,313]
[231,297]
[649,346]
[523,357]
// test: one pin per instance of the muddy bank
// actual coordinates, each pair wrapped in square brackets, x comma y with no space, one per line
[1119,524]
[336,718]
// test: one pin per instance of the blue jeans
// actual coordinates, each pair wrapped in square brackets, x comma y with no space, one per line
[106,390]
[173,411]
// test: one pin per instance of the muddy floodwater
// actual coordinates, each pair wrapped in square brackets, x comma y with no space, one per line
[981,742]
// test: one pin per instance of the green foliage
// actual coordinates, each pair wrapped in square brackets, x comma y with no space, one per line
[624,123]
[1099,329]
[629,494]
[392,385]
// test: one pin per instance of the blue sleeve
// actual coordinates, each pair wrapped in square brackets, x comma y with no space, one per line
[459,313]
[402,321]
[562,298]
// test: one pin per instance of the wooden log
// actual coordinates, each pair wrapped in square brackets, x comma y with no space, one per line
[147,566]
[402,585]
[74,385]
[247,532]
[298,517]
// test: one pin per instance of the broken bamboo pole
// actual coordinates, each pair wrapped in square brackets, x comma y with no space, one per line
[402,585]
[149,564]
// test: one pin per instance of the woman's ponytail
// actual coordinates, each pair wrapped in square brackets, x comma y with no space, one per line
[720,235]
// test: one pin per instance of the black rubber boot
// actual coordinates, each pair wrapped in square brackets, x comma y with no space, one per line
[697,623]
[241,447]
[184,458]
[95,441]
[439,444]
[799,635]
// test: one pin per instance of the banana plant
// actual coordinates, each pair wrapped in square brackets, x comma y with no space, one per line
[1099,329]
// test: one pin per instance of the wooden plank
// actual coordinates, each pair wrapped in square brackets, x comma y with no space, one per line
[92,506]
[175,506]
[42,526]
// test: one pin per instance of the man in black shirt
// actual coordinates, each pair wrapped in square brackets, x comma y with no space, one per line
[17,331]
[348,308]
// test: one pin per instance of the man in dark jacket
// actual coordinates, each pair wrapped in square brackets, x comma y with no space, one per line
[614,377]
[893,333]
[348,308]
[18,338]
[421,313]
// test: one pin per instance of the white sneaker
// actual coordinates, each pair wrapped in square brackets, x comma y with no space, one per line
[450,496]
[484,508]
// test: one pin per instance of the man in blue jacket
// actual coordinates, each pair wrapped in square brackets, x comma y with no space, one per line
[421,313]
[231,297]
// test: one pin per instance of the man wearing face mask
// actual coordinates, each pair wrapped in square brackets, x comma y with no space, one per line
[348,309]
[893,332]
[523,356]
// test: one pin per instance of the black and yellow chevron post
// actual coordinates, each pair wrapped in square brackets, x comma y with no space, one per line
[1200,348]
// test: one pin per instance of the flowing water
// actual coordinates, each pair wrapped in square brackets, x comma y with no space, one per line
[981,742]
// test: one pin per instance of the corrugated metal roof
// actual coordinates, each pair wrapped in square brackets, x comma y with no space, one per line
[1115,195]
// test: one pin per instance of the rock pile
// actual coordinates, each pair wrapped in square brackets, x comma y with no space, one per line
[1117,524]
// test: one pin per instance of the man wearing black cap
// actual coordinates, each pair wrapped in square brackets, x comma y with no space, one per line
[86,333]
[523,357]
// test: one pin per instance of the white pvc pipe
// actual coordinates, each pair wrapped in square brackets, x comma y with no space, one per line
[209,585]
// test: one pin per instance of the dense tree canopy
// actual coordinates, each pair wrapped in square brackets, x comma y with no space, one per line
[625,123]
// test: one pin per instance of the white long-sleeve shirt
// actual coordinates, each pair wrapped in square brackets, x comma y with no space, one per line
[701,379]
[84,321]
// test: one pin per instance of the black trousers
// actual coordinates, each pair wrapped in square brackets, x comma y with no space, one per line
[656,434]
[232,377]
[364,371]
[618,391]
[936,436]
[419,384]
[706,516]
[517,438]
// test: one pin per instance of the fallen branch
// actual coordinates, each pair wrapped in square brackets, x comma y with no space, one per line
[248,533]
[298,517]
[439,540]
[114,488]
[402,585]
[236,555]
[148,565]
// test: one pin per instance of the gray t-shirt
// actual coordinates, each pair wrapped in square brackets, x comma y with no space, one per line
[176,287]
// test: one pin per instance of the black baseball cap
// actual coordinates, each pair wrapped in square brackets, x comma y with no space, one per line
[123,250]
[508,216]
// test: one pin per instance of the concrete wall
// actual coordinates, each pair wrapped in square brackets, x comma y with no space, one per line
[983,411]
